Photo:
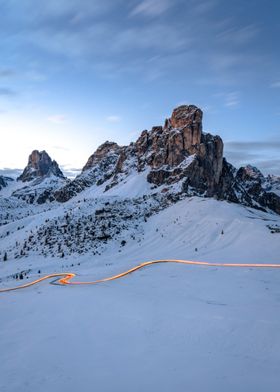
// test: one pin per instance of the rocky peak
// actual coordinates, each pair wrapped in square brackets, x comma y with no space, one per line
[40,165]
[102,151]
[190,118]
[250,173]
[165,149]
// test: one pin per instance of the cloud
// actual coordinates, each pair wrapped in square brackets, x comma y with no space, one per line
[8,172]
[70,172]
[7,72]
[253,145]
[262,154]
[61,148]
[151,7]
[231,100]
[7,92]
[114,119]
[238,36]
[57,119]
[270,166]
[275,84]
[200,7]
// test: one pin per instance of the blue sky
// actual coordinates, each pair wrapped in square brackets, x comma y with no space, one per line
[74,73]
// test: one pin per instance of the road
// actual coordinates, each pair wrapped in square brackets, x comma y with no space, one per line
[66,277]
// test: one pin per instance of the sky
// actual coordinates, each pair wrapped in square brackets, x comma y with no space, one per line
[75,73]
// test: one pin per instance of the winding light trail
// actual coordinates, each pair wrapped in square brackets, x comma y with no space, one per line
[65,277]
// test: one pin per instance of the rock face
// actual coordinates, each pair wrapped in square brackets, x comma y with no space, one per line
[167,150]
[248,186]
[103,151]
[40,165]
[101,166]
[177,151]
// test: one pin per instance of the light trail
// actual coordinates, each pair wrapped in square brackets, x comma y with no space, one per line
[66,277]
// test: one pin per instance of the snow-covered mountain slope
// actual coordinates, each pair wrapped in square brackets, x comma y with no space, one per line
[165,327]
[145,227]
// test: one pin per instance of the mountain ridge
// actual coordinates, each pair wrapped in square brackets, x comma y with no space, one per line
[178,155]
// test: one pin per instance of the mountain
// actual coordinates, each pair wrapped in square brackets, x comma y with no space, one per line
[40,165]
[177,159]
[40,178]
[121,187]
[178,153]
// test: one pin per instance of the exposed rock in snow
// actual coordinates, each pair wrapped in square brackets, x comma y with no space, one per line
[4,181]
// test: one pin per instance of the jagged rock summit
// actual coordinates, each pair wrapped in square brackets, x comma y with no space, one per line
[40,165]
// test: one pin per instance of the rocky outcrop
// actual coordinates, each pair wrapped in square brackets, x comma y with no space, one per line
[40,165]
[100,166]
[248,186]
[102,152]
[4,181]
[166,149]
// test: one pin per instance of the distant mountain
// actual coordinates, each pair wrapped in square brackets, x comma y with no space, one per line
[40,165]
[39,180]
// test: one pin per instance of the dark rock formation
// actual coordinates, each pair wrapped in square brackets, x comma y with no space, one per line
[102,152]
[4,181]
[99,168]
[40,165]
[167,149]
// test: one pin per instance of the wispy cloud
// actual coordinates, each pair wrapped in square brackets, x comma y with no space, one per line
[261,153]
[238,36]
[231,99]
[57,119]
[114,119]
[275,84]
[8,92]
[61,148]
[70,172]
[253,145]
[271,166]
[151,7]
[8,172]
[7,72]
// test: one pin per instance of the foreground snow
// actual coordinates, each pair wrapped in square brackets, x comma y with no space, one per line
[167,327]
